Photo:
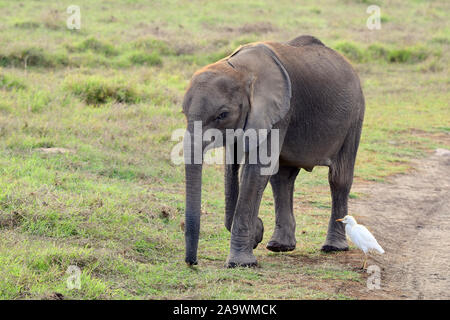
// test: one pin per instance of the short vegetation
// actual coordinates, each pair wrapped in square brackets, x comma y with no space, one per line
[86,119]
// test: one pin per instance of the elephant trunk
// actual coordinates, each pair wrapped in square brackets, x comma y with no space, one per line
[231,192]
[193,208]
[193,199]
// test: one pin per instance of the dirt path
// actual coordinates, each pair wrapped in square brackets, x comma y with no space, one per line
[410,217]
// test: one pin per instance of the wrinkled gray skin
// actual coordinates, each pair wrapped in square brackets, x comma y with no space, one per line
[313,96]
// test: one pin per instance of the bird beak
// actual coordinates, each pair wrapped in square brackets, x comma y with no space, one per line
[340,220]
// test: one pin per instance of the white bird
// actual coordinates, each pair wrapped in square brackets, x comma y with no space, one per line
[361,237]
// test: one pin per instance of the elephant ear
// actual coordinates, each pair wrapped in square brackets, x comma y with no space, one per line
[270,85]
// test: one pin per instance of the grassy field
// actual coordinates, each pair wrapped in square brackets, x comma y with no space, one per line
[110,201]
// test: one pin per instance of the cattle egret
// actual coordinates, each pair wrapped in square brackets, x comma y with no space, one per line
[361,237]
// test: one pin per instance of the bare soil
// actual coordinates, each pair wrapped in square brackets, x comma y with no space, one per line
[410,217]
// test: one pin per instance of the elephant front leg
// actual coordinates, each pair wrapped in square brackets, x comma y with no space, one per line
[247,229]
[283,238]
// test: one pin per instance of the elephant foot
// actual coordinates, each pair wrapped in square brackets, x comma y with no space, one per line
[276,246]
[283,240]
[259,232]
[241,259]
[336,245]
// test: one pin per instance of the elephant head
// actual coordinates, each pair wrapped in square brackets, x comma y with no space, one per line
[250,89]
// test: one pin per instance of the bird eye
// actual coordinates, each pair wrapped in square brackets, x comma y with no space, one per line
[222,116]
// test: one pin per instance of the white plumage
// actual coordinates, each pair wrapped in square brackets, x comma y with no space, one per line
[360,236]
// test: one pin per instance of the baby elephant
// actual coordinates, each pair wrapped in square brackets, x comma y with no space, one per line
[302,99]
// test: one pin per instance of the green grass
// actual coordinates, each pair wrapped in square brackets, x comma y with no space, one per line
[99,90]
[111,94]
[8,82]
[94,45]
[32,57]
[380,53]
[144,58]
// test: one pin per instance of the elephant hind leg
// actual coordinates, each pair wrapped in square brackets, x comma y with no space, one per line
[283,238]
[340,177]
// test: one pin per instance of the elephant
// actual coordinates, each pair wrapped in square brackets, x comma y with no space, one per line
[312,96]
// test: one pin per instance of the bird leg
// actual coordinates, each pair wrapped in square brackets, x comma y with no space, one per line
[364,262]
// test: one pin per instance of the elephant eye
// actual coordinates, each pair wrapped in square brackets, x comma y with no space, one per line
[222,116]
